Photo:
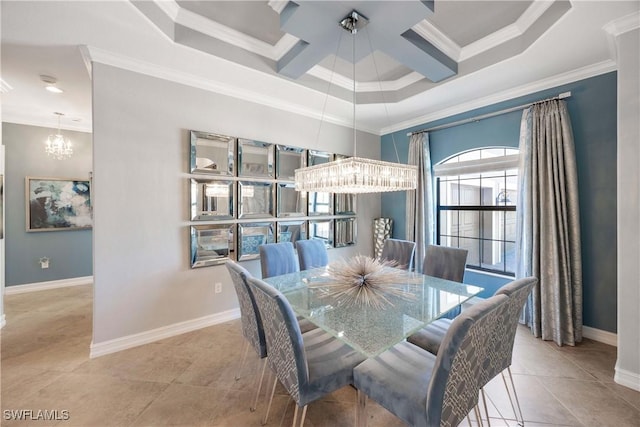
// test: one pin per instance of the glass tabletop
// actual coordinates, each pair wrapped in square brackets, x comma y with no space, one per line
[372,330]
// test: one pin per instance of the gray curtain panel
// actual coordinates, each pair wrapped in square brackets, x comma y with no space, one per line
[548,223]
[419,225]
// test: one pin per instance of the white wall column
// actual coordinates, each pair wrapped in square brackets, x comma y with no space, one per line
[627,40]
[2,209]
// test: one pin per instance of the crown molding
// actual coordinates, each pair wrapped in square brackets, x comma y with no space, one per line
[548,83]
[170,7]
[503,35]
[26,119]
[535,10]
[624,24]
[620,26]
[339,80]
[428,31]
[221,32]
[278,5]
[218,86]
[494,39]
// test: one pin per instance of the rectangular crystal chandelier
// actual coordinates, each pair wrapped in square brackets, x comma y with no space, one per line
[356,175]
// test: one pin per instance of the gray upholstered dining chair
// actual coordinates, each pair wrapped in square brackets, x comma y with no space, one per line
[277,258]
[312,254]
[400,251]
[251,323]
[423,389]
[309,365]
[445,262]
[431,337]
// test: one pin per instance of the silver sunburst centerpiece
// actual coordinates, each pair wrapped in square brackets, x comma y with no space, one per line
[363,280]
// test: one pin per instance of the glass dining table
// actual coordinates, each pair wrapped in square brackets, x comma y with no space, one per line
[369,329]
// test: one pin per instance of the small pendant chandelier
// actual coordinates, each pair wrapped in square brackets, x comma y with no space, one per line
[354,175]
[57,146]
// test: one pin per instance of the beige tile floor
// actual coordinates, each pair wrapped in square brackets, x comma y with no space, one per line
[188,380]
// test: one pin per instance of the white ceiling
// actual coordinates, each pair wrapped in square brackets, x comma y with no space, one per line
[503,49]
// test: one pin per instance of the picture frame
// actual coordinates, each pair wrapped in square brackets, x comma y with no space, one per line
[212,244]
[212,199]
[255,159]
[291,231]
[250,236]
[212,154]
[57,204]
[345,232]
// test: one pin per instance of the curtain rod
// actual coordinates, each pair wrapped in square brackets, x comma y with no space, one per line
[486,116]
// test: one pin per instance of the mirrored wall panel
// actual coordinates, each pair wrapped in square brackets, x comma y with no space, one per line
[320,203]
[291,231]
[255,199]
[255,158]
[211,199]
[212,153]
[345,204]
[318,157]
[345,232]
[288,159]
[251,236]
[289,201]
[322,229]
[212,244]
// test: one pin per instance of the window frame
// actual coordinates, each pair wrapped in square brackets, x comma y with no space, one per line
[485,166]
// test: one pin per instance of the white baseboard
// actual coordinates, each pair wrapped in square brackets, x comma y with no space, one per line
[627,378]
[600,335]
[53,284]
[135,340]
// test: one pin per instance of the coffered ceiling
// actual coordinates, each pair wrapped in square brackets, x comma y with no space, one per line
[415,60]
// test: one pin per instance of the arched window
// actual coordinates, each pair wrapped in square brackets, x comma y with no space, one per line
[476,207]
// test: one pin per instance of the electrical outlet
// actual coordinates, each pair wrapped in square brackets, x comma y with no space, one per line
[44,262]
[218,287]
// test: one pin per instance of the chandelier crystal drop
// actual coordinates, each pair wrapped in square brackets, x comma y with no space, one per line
[57,146]
[356,175]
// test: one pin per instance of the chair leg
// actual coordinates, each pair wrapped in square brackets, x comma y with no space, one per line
[258,385]
[273,391]
[515,394]
[361,409]
[486,409]
[244,358]
[302,417]
[476,410]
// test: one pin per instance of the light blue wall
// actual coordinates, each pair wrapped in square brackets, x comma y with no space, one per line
[70,252]
[593,112]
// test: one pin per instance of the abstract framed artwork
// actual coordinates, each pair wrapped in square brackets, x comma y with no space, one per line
[57,204]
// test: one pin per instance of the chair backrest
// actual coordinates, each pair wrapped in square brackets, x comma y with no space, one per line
[457,374]
[517,291]
[312,254]
[277,259]
[284,339]
[445,262]
[400,251]
[249,316]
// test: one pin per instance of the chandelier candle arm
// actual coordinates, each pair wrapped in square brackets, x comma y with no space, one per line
[57,146]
